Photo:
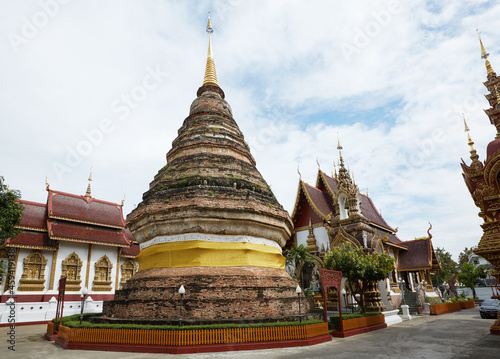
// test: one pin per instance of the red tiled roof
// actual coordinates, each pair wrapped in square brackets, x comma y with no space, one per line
[331,182]
[132,251]
[68,231]
[370,212]
[319,199]
[84,210]
[34,216]
[418,255]
[33,240]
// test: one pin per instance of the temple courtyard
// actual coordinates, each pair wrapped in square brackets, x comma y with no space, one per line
[460,334]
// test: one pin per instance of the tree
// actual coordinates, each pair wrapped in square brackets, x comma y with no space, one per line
[11,212]
[358,268]
[297,257]
[448,267]
[464,256]
[470,274]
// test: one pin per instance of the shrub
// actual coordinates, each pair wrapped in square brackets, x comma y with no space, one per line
[73,321]
[335,319]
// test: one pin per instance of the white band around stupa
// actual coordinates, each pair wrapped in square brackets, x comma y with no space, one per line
[210,238]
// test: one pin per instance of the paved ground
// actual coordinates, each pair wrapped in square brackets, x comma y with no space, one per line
[456,335]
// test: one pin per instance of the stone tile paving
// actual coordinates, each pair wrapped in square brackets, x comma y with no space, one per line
[456,335]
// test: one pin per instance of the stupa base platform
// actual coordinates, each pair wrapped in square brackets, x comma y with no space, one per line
[191,341]
[213,294]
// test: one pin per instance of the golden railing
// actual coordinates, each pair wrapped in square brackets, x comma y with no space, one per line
[191,337]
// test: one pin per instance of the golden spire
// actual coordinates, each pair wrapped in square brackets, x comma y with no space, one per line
[123,200]
[484,55]
[210,74]
[339,146]
[473,153]
[87,194]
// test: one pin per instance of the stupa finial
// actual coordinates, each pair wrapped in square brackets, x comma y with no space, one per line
[210,74]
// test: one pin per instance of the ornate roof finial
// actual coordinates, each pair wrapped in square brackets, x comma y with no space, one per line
[484,55]
[123,200]
[300,176]
[319,166]
[471,144]
[87,194]
[334,169]
[210,74]
[339,146]
[47,184]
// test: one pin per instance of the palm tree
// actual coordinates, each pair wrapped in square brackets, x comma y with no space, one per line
[297,257]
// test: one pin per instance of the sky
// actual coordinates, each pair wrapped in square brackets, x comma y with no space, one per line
[107,84]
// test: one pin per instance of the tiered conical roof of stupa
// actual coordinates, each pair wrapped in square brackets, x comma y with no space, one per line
[210,184]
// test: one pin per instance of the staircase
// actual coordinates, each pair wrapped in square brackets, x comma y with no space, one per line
[411,302]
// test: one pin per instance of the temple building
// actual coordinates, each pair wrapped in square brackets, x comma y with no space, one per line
[209,222]
[75,236]
[334,212]
[483,178]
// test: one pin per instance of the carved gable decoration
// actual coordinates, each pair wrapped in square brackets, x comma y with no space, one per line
[128,270]
[71,268]
[102,276]
[33,277]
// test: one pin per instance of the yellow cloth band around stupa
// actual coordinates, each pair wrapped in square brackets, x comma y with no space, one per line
[209,254]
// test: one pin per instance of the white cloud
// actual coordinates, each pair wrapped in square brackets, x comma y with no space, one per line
[396,101]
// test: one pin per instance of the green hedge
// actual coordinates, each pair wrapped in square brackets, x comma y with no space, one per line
[73,321]
[335,319]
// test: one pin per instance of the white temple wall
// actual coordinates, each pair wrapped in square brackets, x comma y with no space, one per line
[97,253]
[321,237]
[65,249]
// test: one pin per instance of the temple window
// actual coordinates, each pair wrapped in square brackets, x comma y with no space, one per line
[71,268]
[343,207]
[102,276]
[128,270]
[33,277]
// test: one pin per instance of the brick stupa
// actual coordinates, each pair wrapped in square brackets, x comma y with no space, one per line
[210,222]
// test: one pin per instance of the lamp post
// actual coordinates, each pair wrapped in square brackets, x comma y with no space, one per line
[343,292]
[182,290]
[85,291]
[298,291]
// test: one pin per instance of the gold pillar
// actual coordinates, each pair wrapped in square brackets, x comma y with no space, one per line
[89,257]
[117,284]
[53,268]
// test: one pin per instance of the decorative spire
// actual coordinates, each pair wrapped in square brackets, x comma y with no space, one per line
[47,184]
[87,194]
[123,200]
[300,176]
[339,146]
[484,55]
[473,154]
[319,166]
[210,74]
[311,239]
